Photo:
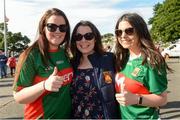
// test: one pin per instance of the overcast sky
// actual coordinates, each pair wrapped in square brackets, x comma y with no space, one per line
[24,15]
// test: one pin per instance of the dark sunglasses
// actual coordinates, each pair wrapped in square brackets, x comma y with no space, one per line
[128,31]
[53,27]
[87,36]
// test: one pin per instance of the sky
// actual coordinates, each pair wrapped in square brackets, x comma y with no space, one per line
[24,15]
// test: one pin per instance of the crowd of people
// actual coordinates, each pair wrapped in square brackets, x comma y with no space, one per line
[63,76]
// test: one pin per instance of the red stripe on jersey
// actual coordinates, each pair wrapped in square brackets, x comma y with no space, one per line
[34,110]
[130,85]
[67,74]
[19,88]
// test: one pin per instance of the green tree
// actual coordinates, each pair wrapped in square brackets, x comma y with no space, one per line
[2,27]
[108,37]
[166,21]
[16,42]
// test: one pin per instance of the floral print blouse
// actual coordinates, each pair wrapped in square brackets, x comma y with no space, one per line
[86,102]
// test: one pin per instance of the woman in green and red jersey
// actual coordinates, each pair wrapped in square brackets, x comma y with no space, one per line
[43,73]
[142,81]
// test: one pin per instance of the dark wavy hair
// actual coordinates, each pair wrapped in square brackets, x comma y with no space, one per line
[147,47]
[98,44]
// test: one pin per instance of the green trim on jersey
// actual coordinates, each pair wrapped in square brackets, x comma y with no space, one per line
[54,104]
[150,78]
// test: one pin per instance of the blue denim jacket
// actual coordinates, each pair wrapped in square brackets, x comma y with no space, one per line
[104,69]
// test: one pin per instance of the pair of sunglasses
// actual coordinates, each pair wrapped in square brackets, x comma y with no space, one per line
[88,36]
[128,31]
[53,27]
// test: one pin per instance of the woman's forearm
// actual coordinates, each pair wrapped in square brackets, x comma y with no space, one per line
[29,94]
[149,100]
[154,100]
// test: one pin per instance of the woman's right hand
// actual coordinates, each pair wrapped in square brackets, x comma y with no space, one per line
[32,93]
[54,82]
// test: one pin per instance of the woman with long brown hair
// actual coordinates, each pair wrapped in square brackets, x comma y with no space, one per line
[43,74]
[142,79]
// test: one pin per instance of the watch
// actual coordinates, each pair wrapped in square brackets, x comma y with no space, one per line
[140,100]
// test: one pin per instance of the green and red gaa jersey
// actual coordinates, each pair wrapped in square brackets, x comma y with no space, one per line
[50,105]
[141,79]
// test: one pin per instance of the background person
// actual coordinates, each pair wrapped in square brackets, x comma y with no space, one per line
[11,63]
[142,80]
[108,48]
[3,61]
[43,73]
[93,92]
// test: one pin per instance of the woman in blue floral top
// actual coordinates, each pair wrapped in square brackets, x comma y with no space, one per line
[93,92]
[86,95]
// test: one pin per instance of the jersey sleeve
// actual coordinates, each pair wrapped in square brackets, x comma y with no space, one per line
[27,72]
[156,80]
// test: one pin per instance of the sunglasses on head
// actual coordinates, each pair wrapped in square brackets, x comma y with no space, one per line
[128,31]
[53,27]
[87,36]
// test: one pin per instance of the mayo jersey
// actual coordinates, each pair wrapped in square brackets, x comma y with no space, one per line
[141,79]
[50,105]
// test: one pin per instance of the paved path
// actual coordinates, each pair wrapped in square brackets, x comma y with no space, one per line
[172,109]
[8,107]
[11,110]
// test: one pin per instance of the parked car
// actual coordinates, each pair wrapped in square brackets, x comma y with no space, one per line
[172,51]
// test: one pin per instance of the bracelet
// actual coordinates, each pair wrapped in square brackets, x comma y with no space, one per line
[44,85]
[140,100]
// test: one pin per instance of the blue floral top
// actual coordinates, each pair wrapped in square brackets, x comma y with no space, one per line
[86,101]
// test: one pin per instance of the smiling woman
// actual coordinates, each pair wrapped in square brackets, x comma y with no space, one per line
[141,83]
[93,82]
[55,36]
[43,74]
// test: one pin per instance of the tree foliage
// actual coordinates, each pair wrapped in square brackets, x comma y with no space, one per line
[166,21]
[108,37]
[16,42]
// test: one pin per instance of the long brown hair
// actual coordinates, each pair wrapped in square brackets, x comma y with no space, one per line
[42,43]
[147,46]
